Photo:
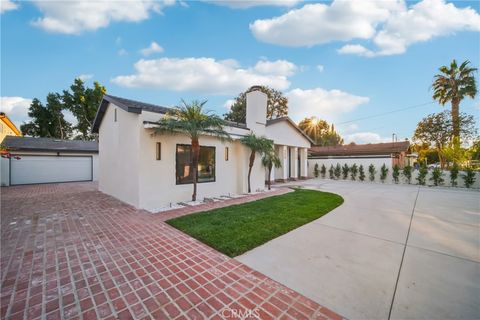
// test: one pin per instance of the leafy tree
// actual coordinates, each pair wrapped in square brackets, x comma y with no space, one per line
[270,160]
[422,174]
[323,171]
[277,105]
[47,121]
[354,172]
[320,132]
[437,176]
[454,175]
[474,151]
[469,177]
[331,172]
[371,172]
[395,173]
[192,120]
[437,130]
[361,173]
[453,84]
[383,173]
[345,170]
[316,173]
[407,173]
[83,103]
[256,144]
[337,171]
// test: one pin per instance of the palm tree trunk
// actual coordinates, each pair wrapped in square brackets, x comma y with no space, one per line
[456,118]
[250,166]
[195,155]
[269,176]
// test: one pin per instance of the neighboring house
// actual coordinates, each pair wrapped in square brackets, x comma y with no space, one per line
[7,128]
[47,160]
[152,171]
[389,153]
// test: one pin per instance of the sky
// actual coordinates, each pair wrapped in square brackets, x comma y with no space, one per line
[365,66]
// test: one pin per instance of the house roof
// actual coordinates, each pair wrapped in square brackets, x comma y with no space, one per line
[291,122]
[9,123]
[134,106]
[360,149]
[49,144]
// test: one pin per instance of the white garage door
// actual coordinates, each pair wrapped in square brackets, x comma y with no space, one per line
[47,169]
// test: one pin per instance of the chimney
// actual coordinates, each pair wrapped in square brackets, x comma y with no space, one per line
[256,111]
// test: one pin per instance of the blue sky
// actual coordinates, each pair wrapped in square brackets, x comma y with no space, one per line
[339,61]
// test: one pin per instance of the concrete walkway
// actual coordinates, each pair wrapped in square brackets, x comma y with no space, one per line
[389,252]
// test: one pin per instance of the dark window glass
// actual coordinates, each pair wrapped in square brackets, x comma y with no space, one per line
[159,151]
[206,164]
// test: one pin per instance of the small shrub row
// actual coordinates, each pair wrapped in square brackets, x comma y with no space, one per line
[354,171]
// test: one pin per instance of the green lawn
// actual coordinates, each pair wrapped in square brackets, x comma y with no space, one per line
[236,229]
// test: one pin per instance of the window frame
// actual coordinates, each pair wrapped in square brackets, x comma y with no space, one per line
[227,154]
[190,146]
[158,151]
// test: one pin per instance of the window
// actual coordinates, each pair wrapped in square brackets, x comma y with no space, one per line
[206,164]
[159,150]
[115,115]
[226,153]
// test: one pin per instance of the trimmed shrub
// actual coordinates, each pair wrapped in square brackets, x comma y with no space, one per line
[323,171]
[371,172]
[422,174]
[315,170]
[330,172]
[454,175]
[361,173]
[383,173]
[345,170]
[354,172]
[396,173]
[338,171]
[407,173]
[469,177]
[437,176]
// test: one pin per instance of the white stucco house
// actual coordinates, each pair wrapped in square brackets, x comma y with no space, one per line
[152,171]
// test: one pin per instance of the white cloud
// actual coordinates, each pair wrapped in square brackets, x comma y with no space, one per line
[205,75]
[245,4]
[320,68]
[279,67]
[73,17]
[7,5]
[324,104]
[122,52]
[85,77]
[365,137]
[16,108]
[228,103]
[153,48]
[390,24]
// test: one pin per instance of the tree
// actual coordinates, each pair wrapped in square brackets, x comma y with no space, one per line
[331,172]
[437,176]
[437,130]
[371,172]
[345,170]
[270,160]
[337,171]
[316,173]
[422,174]
[83,103]
[383,173]
[395,173]
[361,173]
[407,173]
[47,121]
[454,175]
[354,172]
[320,132]
[452,85]
[469,177]
[192,120]
[277,105]
[323,171]
[255,144]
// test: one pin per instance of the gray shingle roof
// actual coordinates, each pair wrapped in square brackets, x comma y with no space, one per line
[49,144]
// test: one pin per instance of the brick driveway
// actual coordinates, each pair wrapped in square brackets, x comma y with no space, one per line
[71,252]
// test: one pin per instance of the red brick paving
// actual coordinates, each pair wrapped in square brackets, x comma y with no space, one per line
[71,252]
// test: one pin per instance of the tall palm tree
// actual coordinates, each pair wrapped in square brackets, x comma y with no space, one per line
[453,84]
[270,160]
[191,119]
[256,144]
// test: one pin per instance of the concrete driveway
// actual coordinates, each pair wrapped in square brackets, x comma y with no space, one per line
[389,252]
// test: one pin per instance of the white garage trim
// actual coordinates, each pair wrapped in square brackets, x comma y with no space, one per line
[39,169]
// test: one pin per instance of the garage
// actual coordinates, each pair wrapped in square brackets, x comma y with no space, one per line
[49,169]
[47,160]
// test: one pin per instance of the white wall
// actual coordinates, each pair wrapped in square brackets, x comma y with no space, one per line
[283,133]
[4,172]
[377,162]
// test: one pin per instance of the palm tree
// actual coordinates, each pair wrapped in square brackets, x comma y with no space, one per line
[192,120]
[256,144]
[453,85]
[270,160]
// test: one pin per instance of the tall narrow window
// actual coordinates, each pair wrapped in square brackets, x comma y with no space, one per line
[115,115]
[159,151]
[226,153]
[206,164]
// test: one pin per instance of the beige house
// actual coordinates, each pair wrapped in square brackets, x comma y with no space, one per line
[153,171]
